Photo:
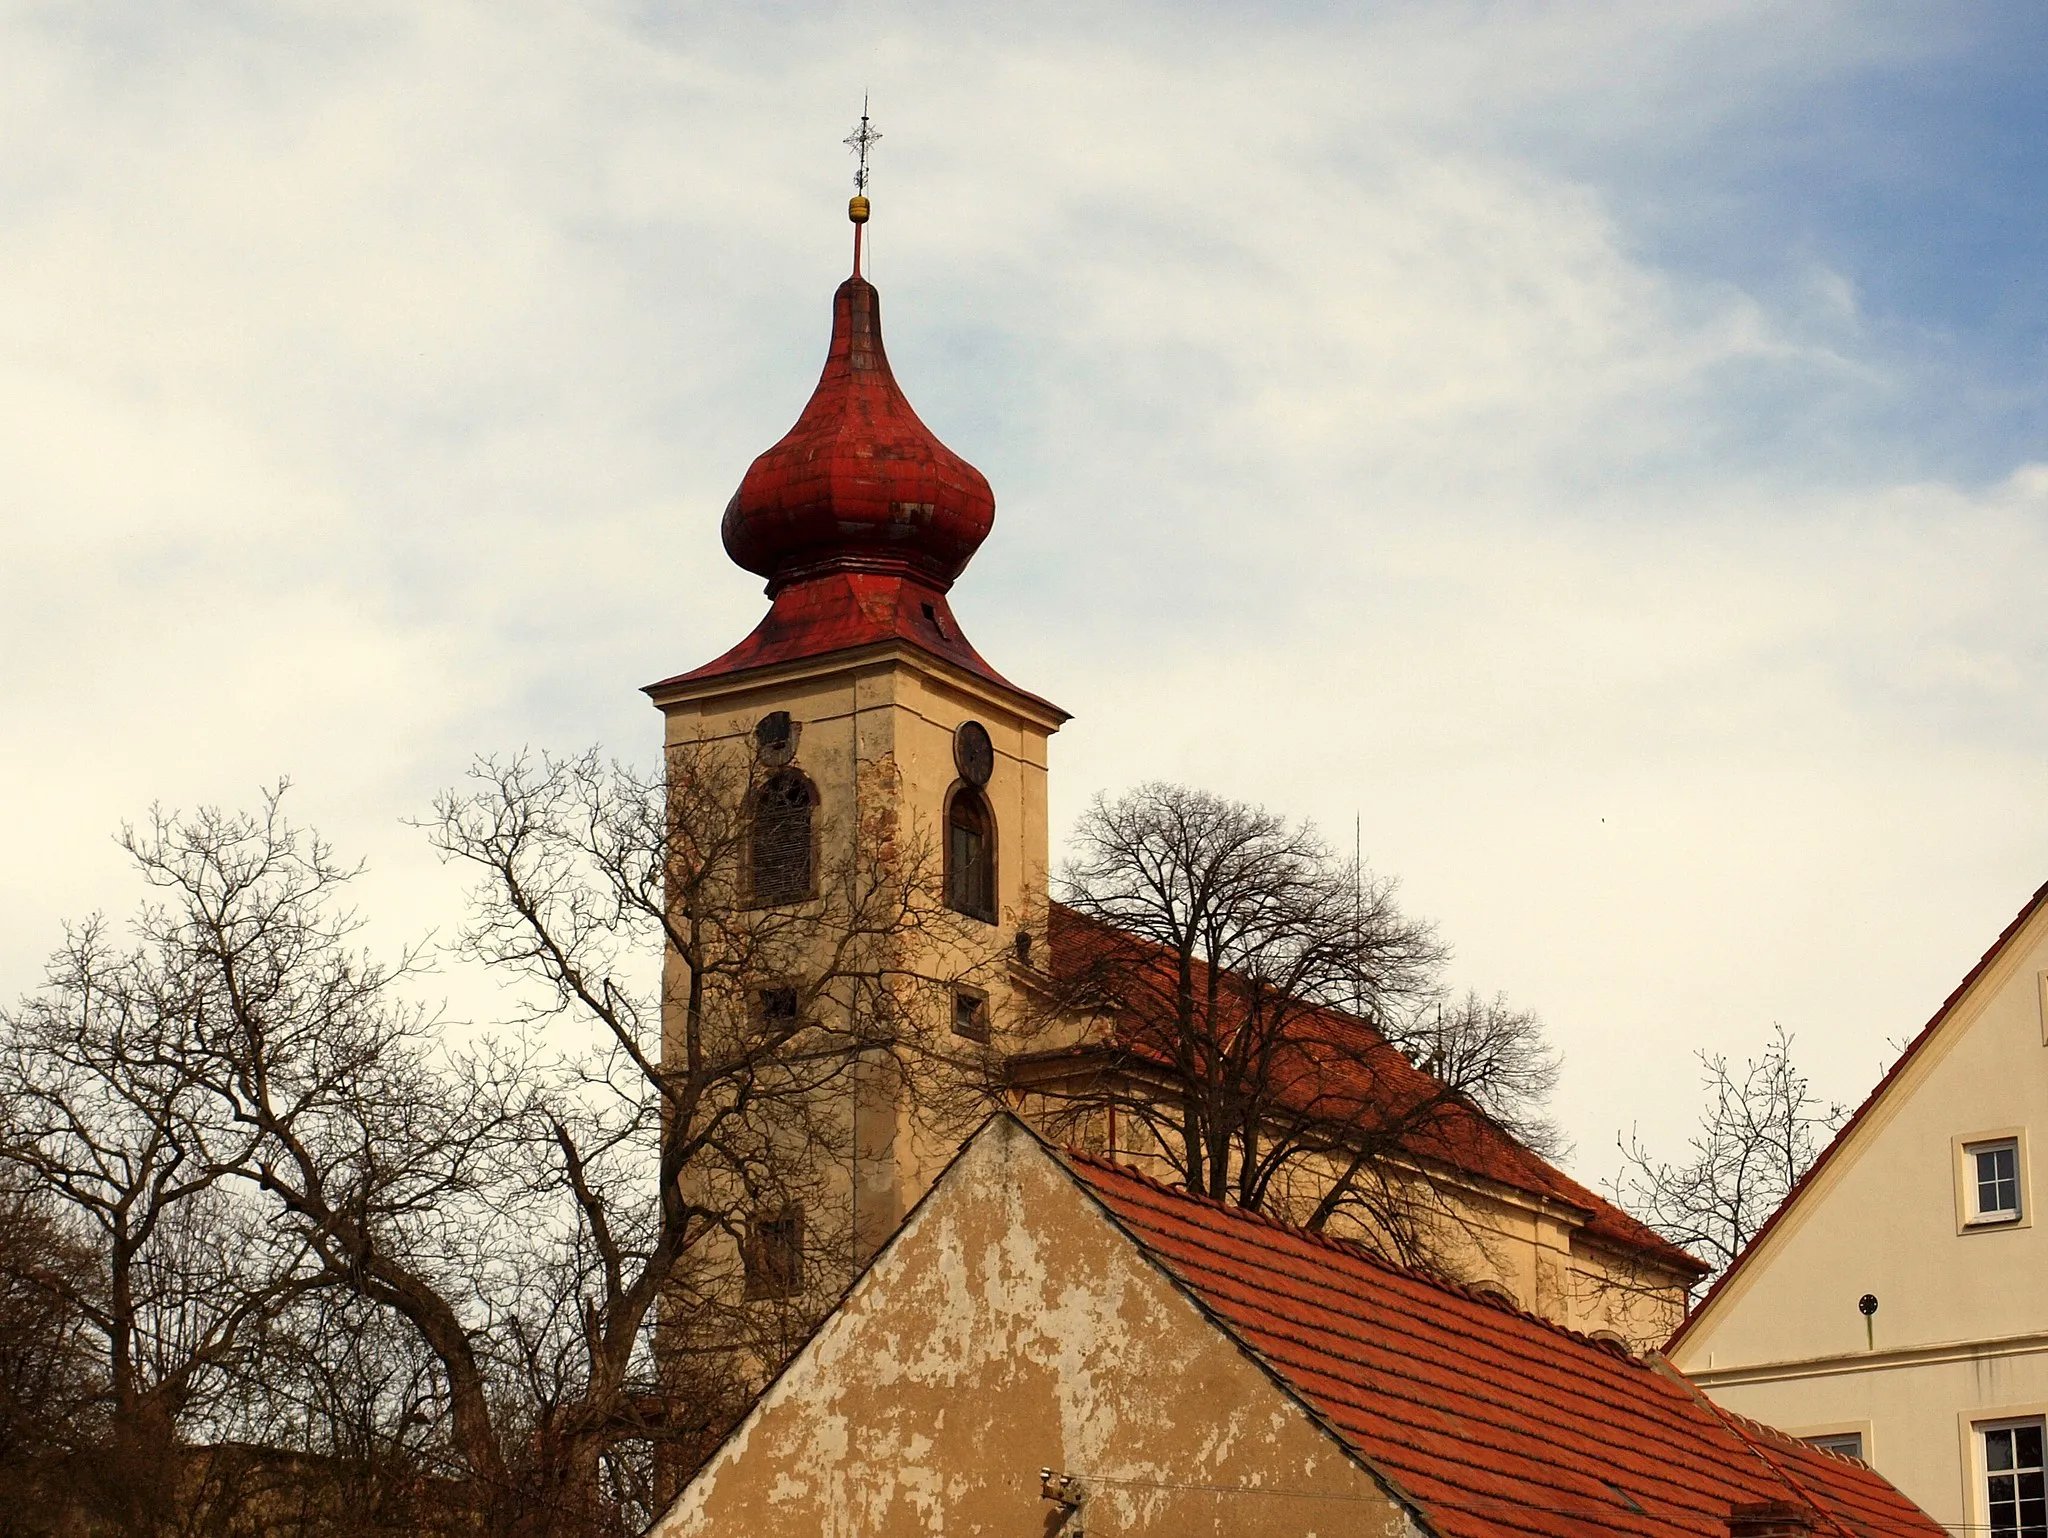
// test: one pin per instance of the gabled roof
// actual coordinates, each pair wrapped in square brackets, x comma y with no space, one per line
[1487,1421]
[1832,1152]
[1450,1131]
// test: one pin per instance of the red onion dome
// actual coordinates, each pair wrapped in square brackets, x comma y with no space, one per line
[859,484]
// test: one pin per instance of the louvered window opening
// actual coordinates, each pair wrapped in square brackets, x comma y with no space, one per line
[774,1254]
[782,840]
[971,857]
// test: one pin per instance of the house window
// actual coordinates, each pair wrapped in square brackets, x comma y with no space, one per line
[971,855]
[774,1254]
[779,856]
[2014,1497]
[1848,1443]
[970,1014]
[1994,1176]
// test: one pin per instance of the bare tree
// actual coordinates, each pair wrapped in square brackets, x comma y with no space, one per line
[50,1383]
[710,1039]
[101,1133]
[1495,1054]
[246,1089]
[1268,1016]
[1762,1129]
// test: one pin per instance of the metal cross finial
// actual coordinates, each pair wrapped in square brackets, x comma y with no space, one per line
[859,142]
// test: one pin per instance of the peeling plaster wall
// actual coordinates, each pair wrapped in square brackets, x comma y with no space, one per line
[1011,1326]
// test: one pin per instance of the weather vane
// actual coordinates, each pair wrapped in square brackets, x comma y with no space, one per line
[859,142]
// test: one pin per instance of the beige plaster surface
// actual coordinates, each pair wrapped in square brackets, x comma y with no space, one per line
[1011,1326]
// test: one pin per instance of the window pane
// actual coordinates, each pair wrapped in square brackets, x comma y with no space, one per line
[2026,1447]
[1998,1183]
[1998,1449]
[1847,1443]
[970,1017]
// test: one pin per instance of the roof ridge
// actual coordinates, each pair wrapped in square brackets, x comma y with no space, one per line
[1358,1251]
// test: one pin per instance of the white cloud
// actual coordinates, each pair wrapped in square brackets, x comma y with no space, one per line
[370,383]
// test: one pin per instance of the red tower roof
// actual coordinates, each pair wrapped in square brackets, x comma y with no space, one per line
[859,484]
[859,517]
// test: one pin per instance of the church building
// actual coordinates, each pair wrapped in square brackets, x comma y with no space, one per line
[862,712]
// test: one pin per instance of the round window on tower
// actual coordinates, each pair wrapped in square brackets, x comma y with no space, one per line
[973,753]
[775,738]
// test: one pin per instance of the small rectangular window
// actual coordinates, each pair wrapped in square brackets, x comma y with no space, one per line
[970,1015]
[1994,1172]
[1848,1443]
[774,1254]
[2015,1498]
[775,1011]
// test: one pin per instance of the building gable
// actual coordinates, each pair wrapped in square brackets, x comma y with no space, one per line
[1884,1212]
[1012,1326]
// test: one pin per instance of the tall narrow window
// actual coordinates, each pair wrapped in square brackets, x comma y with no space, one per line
[781,841]
[2014,1496]
[971,855]
[774,1255]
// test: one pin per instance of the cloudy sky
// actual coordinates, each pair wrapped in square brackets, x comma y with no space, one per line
[1603,448]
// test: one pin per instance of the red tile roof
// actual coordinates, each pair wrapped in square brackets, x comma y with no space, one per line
[843,610]
[1841,1137]
[1485,1420]
[1449,1131]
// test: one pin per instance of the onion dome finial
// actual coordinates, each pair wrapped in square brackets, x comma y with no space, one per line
[859,484]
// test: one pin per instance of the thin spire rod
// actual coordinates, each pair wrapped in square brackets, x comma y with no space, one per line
[860,141]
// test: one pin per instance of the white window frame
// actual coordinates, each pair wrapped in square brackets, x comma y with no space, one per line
[1857,1429]
[1976,1475]
[1965,1149]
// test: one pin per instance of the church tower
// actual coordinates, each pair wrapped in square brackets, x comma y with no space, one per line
[860,699]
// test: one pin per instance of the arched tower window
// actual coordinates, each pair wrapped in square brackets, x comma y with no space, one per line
[779,853]
[971,855]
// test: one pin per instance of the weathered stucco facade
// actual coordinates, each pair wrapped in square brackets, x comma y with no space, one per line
[1959,1337]
[875,732]
[1054,1344]
[1010,1327]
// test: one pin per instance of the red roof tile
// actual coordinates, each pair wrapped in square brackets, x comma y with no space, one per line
[1488,1421]
[1841,1137]
[1451,1132]
[844,610]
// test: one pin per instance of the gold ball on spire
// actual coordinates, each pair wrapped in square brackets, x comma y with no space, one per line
[857,209]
